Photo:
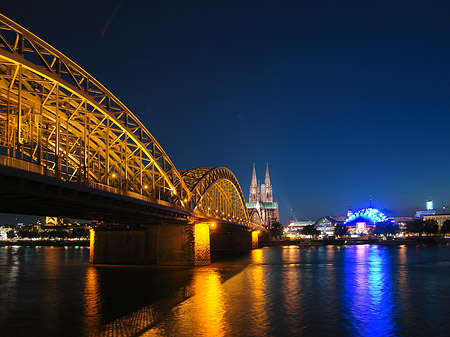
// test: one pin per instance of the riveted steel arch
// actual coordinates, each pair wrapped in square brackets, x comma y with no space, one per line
[216,191]
[56,115]
[255,217]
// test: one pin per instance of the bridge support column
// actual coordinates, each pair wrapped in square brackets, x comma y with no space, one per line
[165,244]
[255,243]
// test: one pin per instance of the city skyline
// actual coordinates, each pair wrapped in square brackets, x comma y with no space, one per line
[342,100]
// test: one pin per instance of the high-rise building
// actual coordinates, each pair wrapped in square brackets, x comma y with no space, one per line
[261,198]
[429,210]
[429,204]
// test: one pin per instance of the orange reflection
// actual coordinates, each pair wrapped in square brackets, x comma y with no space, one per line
[91,300]
[258,308]
[208,304]
[292,289]
[403,274]
[257,256]
[290,254]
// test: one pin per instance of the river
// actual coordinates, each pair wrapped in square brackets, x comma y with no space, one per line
[361,290]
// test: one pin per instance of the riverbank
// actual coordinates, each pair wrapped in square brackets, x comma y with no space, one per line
[411,240]
[46,243]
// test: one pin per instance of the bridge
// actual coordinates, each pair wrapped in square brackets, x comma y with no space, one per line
[70,148]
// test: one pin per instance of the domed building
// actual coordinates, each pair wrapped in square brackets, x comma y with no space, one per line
[361,221]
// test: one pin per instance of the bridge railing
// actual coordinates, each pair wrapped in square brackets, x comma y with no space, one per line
[42,170]
[26,166]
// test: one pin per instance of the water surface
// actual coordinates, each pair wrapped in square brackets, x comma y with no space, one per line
[300,291]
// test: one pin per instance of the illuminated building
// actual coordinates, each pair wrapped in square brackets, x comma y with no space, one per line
[430,205]
[440,218]
[326,225]
[261,199]
[360,222]
[429,210]
[294,228]
[52,221]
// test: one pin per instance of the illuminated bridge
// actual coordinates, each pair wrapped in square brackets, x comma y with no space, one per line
[70,148]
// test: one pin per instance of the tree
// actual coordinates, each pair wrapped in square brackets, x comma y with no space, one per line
[10,234]
[430,226]
[445,229]
[386,228]
[310,230]
[415,226]
[276,230]
[340,231]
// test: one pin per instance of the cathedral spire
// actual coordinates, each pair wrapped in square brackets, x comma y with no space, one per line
[254,188]
[267,182]
[254,181]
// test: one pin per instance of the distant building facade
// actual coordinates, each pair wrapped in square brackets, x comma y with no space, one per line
[429,210]
[327,225]
[295,227]
[440,218]
[261,199]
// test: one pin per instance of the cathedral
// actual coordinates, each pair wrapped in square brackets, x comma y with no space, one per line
[261,198]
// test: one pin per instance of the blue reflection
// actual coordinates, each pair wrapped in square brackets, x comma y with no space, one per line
[369,306]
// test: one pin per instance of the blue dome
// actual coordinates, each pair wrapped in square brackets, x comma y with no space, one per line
[371,214]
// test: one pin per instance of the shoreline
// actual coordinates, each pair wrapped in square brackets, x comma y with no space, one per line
[413,240]
[45,243]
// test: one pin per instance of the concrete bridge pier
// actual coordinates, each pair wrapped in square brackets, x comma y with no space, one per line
[162,244]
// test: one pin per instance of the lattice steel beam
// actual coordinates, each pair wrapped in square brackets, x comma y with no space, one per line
[54,113]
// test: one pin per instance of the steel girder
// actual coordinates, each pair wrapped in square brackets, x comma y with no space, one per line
[255,217]
[54,114]
[216,191]
[57,120]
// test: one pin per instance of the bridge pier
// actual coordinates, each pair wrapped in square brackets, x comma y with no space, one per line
[164,244]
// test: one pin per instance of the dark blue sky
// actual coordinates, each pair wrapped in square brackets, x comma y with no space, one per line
[343,98]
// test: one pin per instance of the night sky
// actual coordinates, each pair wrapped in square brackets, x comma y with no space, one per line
[343,99]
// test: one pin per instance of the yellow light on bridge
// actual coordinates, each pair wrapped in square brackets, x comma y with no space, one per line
[145,186]
[213,224]
[113,175]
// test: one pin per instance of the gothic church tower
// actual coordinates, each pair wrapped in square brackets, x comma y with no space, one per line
[254,189]
[261,198]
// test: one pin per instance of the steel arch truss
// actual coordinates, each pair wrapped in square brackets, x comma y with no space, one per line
[54,114]
[255,217]
[216,191]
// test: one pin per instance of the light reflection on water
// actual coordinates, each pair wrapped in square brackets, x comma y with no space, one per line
[369,306]
[204,312]
[301,291]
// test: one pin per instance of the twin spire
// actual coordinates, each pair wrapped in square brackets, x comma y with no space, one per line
[261,193]
[254,180]
[267,182]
